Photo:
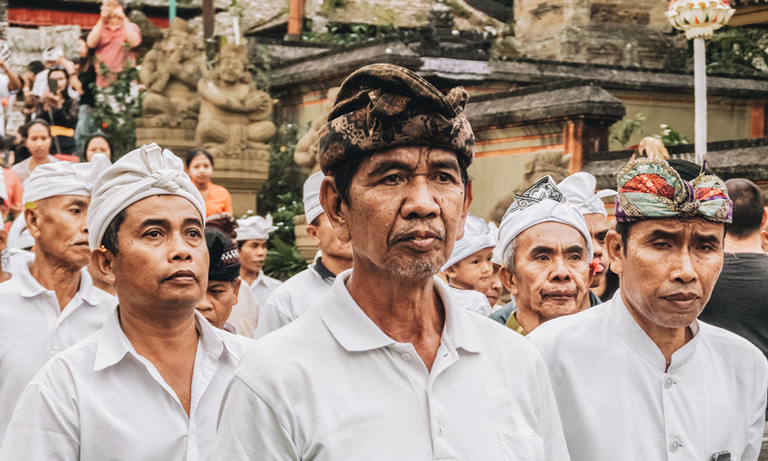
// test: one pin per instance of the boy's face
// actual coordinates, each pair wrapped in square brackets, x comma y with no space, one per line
[474,272]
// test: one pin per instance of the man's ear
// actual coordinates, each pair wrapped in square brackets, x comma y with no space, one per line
[102,262]
[508,280]
[468,198]
[765,217]
[614,247]
[335,208]
[32,217]
[236,285]
[312,233]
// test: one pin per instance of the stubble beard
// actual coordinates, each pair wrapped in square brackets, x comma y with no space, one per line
[418,266]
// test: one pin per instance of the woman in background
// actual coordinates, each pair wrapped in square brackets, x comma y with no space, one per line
[38,143]
[97,143]
[199,167]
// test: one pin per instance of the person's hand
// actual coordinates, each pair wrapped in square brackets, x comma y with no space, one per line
[107,10]
[52,100]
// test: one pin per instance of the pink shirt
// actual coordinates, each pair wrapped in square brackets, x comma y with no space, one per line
[111,52]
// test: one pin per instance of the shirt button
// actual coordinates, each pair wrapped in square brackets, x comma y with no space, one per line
[47,296]
[674,445]
[440,430]
[668,382]
[406,356]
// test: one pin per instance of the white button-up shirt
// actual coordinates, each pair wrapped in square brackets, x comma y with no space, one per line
[263,286]
[471,300]
[100,400]
[34,328]
[295,297]
[333,386]
[617,402]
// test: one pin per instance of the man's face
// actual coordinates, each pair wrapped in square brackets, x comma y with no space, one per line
[552,275]
[162,256]
[493,293]
[407,208]
[325,237]
[598,229]
[473,272]
[668,268]
[217,303]
[58,225]
[252,255]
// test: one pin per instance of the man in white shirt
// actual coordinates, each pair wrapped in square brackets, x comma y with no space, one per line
[252,235]
[149,384]
[304,290]
[388,367]
[547,251]
[639,377]
[50,302]
[469,269]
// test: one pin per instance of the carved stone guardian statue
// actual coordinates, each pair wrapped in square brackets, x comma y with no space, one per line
[235,117]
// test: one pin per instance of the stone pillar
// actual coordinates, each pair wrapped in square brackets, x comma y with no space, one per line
[583,137]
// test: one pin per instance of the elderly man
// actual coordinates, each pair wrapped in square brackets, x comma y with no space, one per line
[252,235]
[579,190]
[387,366]
[149,384]
[50,303]
[547,249]
[301,292]
[639,377]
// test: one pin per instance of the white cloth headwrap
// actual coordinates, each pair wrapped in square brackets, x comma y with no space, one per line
[498,258]
[3,189]
[64,178]
[312,207]
[477,236]
[139,174]
[579,190]
[254,227]
[542,203]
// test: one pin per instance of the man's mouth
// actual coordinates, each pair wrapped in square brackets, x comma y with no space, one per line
[560,296]
[682,300]
[182,276]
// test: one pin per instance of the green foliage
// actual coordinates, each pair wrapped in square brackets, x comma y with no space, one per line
[671,137]
[261,69]
[622,132]
[117,107]
[285,181]
[283,261]
[282,218]
[347,34]
[458,9]
[738,52]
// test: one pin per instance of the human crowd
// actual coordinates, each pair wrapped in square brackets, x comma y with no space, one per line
[138,322]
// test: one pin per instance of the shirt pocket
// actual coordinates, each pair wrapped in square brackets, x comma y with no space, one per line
[517,447]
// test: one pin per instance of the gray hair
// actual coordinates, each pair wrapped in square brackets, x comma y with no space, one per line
[510,252]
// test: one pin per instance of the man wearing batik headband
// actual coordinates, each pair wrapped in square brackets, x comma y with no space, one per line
[223,280]
[50,303]
[252,235]
[579,190]
[639,377]
[301,292]
[388,366]
[149,384]
[470,268]
[546,249]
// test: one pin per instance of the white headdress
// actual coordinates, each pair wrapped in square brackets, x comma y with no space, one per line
[254,227]
[477,236]
[312,207]
[64,178]
[579,190]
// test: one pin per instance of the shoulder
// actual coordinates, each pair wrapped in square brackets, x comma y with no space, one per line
[502,315]
[68,366]
[731,345]
[570,328]
[218,190]
[236,345]
[298,281]
[272,281]
[20,166]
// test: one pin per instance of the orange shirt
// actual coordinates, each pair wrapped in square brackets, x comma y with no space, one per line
[218,201]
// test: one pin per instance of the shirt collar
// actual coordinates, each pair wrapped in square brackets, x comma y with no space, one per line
[321,270]
[113,345]
[640,342]
[356,332]
[259,279]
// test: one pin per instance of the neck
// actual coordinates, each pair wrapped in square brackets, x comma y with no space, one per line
[527,318]
[249,276]
[751,244]
[668,340]
[458,285]
[35,161]
[335,264]
[201,186]
[158,336]
[54,274]
[408,310]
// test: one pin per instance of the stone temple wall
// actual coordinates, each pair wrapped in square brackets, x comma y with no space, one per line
[27,45]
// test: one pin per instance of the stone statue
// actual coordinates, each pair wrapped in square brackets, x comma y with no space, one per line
[171,71]
[305,154]
[234,120]
[545,162]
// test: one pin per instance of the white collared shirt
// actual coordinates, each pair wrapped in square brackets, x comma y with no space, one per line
[617,402]
[14,258]
[34,328]
[471,300]
[245,314]
[298,295]
[263,286]
[332,386]
[100,400]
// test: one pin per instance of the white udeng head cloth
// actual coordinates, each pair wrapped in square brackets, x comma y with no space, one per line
[579,190]
[312,207]
[498,258]
[543,202]
[477,236]
[141,173]
[254,227]
[64,178]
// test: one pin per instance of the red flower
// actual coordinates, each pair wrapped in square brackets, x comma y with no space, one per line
[104,125]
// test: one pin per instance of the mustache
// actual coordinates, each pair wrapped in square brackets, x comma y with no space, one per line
[416,226]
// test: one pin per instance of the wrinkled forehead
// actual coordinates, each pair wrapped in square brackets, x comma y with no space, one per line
[411,157]
[169,210]
[554,235]
[677,227]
